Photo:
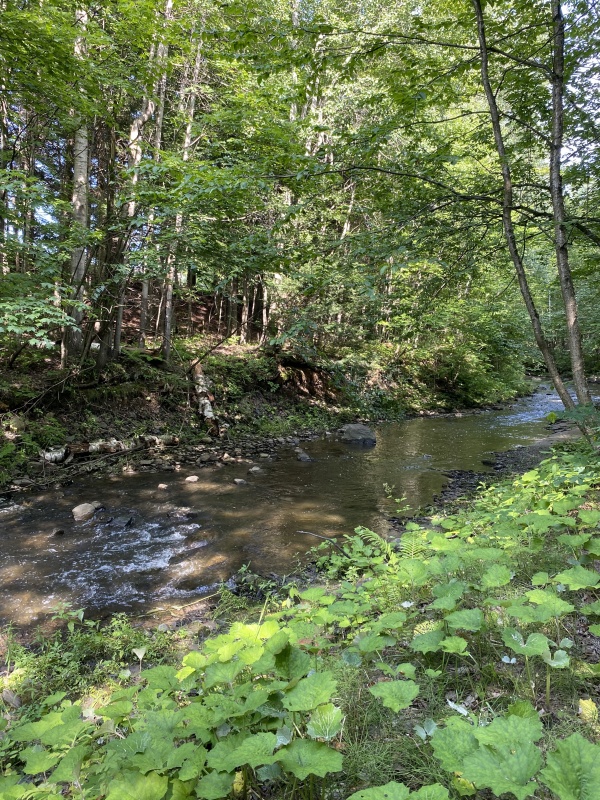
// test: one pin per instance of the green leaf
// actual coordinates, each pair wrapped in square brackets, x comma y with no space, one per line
[537,644]
[454,644]
[304,757]
[374,642]
[591,608]
[214,786]
[572,771]
[38,760]
[391,621]
[578,578]
[222,673]
[470,619]
[395,694]
[550,601]
[589,516]
[70,765]
[504,768]
[497,575]
[116,711]
[452,744]
[310,692]
[292,663]
[540,579]
[135,786]
[255,751]
[325,722]
[559,659]
[427,642]
[391,791]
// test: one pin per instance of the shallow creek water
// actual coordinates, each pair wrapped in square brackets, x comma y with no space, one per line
[150,547]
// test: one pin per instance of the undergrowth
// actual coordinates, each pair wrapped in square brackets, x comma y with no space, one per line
[461,660]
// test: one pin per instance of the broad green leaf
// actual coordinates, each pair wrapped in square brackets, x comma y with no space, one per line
[292,662]
[591,608]
[497,575]
[304,757]
[578,578]
[432,792]
[395,694]
[135,786]
[572,771]
[510,730]
[559,659]
[452,744]
[574,540]
[447,594]
[427,642]
[593,546]
[222,673]
[540,579]
[391,621]
[69,767]
[536,645]
[391,791]
[255,751]
[454,644]
[38,760]
[589,516]
[374,642]
[504,768]
[310,692]
[115,711]
[550,601]
[214,786]
[470,619]
[325,722]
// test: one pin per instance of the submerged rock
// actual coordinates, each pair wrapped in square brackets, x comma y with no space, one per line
[240,482]
[358,434]
[302,456]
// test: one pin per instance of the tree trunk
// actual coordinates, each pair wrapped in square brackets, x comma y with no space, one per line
[558,207]
[79,204]
[507,205]
[172,257]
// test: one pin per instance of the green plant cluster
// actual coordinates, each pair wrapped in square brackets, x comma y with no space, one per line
[448,664]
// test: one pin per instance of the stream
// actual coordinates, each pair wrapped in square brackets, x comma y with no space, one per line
[149,548]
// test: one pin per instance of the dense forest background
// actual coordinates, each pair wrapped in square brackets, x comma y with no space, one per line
[339,179]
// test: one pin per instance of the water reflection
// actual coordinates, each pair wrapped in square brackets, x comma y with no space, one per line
[154,546]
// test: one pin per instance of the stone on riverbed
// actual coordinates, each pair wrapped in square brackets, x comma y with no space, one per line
[240,482]
[192,479]
[358,434]
[85,511]
[302,456]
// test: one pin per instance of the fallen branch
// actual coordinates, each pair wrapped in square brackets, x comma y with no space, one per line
[66,453]
[327,539]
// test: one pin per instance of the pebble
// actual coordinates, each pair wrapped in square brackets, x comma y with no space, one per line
[192,479]
[240,482]
[162,486]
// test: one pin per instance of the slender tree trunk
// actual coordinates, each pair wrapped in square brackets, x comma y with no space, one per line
[71,337]
[172,257]
[507,206]
[558,207]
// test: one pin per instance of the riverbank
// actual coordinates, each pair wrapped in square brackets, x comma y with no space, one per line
[263,399]
[481,626]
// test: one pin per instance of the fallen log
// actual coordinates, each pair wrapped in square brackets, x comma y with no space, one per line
[66,453]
